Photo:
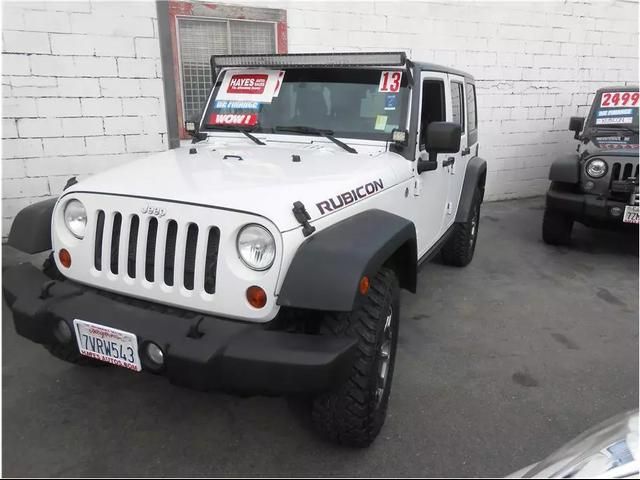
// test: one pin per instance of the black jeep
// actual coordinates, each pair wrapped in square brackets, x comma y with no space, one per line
[598,185]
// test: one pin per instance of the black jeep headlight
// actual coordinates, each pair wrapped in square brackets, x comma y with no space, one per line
[256,247]
[596,168]
[75,218]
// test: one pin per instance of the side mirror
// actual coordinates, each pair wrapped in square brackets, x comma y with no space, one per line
[443,137]
[576,124]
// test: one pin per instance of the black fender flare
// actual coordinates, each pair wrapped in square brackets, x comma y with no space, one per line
[327,268]
[474,176]
[31,229]
[565,169]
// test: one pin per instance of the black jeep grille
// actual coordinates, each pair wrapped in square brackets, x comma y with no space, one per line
[623,171]
[159,237]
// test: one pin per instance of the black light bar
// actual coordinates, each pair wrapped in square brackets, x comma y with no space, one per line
[351,59]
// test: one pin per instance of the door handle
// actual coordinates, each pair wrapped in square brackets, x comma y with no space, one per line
[466,151]
[449,161]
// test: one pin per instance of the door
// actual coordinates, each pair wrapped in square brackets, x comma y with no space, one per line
[431,188]
[460,113]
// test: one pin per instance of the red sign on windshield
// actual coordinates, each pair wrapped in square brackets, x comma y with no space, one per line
[233,119]
[248,83]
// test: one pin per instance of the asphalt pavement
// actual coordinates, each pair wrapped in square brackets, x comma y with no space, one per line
[498,364]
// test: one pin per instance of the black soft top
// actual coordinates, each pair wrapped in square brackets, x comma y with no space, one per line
[432,67]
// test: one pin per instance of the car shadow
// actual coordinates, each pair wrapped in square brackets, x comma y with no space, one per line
[604,242]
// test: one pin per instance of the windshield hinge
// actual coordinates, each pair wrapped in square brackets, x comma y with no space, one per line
[409,68]
[303,217]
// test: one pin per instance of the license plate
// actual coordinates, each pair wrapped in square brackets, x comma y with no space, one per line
[631,214]
[107,344]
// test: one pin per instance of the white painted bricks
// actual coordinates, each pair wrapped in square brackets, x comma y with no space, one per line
[82,92]
[536,64]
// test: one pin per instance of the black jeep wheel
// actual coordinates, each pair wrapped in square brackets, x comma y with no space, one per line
[459,248]
[354,412]
[556,227]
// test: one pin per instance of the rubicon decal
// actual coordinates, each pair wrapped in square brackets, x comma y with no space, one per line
[253,84]
[233,119]
[339,201]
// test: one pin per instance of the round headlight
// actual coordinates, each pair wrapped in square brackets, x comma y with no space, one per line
[75,218]
[596,168]
[256,247]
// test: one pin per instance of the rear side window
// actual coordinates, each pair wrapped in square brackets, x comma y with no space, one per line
[472,117]
[457,104]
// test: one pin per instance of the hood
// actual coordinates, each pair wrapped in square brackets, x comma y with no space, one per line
[625,144]
[264,180]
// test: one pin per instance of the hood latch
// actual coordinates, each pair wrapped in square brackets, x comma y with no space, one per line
[303,217]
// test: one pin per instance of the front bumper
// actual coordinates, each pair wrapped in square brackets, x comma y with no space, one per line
[586,208]
[201,352]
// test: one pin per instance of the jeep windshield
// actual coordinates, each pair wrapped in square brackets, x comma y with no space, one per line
[616,111]
[352,103]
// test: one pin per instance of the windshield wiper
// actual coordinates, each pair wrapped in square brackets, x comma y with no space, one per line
[237,129]
[316,131]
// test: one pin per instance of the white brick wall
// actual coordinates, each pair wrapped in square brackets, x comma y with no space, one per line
[82,87]
[536,63]
[67,66]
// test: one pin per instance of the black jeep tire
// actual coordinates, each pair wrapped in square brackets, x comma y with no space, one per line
[556,227]
[354,412]
[459,248]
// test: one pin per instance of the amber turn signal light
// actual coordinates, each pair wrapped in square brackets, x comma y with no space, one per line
[65,258]
[256,297]
[364,285]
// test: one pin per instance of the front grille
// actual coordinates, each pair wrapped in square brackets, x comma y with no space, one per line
[623,171]
[162,250]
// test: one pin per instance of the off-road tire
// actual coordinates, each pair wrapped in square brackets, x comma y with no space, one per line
[353,413]
[460,246]
[556,227]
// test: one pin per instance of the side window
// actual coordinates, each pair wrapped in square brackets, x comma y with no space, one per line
[471,107]
[457,104]
[432,108]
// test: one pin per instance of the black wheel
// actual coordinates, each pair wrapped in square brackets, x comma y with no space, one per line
[556,227]
[354,412]
[459,248]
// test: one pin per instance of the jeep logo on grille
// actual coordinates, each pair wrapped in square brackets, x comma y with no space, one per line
[155,211]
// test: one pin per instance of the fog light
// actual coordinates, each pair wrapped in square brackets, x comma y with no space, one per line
[256,297]
[616,211]
[589,185]
[155,355]
[62,332]
[65,258]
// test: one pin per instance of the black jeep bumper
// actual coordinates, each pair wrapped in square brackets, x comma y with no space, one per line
[218,354]
[588,209]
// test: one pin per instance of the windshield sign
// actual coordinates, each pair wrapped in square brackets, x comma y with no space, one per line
[356,103]
[617,109]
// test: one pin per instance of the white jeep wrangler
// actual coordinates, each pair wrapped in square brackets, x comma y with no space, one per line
[267,257]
